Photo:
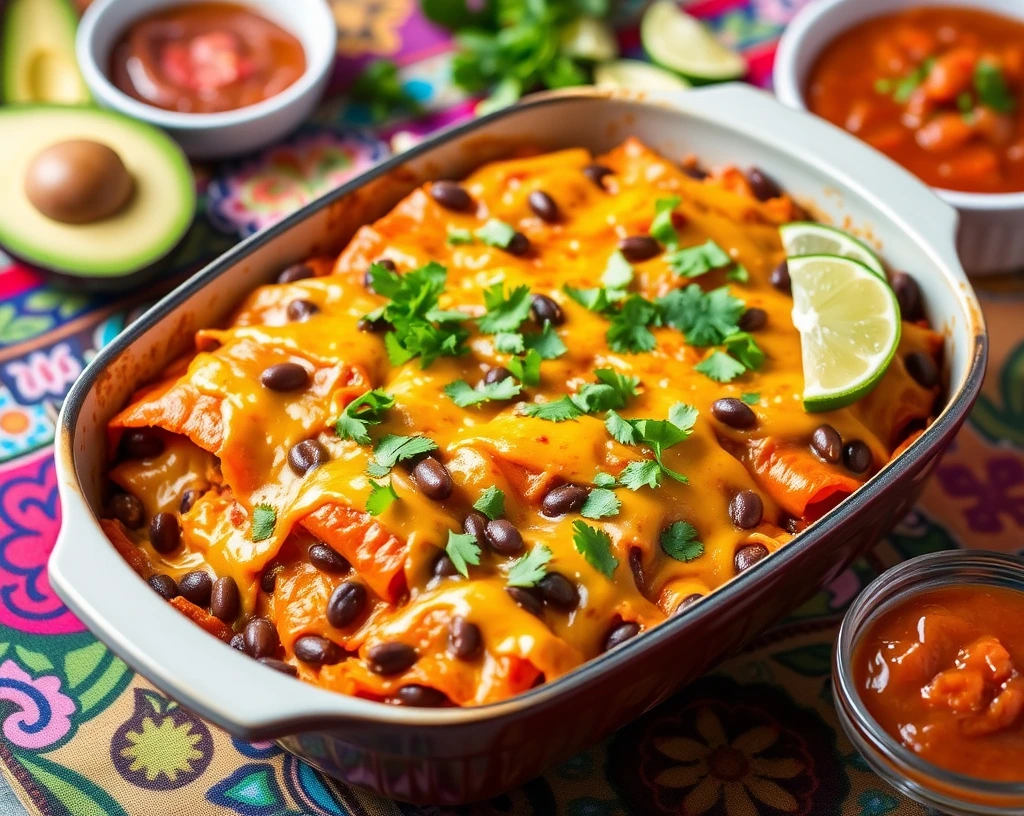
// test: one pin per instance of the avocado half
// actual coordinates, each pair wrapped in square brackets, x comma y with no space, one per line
[37,44]
[132,244]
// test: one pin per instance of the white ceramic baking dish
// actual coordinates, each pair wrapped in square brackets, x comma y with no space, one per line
[457,755]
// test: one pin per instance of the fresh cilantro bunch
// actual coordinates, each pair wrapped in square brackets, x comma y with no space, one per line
[361,413]
[611,391]
[658,435]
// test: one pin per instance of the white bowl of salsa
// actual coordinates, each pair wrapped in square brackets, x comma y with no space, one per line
[939,88]
[221,78]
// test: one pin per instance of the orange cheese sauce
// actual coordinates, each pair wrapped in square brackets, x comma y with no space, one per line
[941,673]
[227,438]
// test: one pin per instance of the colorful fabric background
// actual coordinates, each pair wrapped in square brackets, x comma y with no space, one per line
[83,735]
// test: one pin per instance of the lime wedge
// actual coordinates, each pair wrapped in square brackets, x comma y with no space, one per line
[590,39]
[849,324]
[681,43]
[809,238]
[636,75]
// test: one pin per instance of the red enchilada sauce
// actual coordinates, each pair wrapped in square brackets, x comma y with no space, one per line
[206,58]
[940,90]
[943,673]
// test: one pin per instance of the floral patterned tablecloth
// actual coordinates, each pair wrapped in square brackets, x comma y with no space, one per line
[83,735]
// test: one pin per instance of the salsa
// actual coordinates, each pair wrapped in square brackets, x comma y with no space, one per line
[942,674]
[205,58]
[940,90]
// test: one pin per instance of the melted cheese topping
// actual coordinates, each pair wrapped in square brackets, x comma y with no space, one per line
[228,437]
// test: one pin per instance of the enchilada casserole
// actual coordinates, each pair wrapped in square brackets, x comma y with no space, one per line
[519,420]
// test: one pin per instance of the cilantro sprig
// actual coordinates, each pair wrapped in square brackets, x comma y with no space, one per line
[264,519]
[679,541]
[504,314]
[662,229]
[601,503]
[380,498]
[595,546]
[465,395]
[491,503]
[528,570]
[463,550]
[657,434]
[692,262]
[364,411]
[611,391]
[392,449]
[990,84]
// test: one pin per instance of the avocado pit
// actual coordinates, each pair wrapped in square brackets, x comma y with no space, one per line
[78,182]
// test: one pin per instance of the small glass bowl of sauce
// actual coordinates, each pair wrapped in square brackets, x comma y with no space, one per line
[928,676]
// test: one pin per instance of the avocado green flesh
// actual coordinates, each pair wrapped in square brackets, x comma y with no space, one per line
[37,42]
[151,224]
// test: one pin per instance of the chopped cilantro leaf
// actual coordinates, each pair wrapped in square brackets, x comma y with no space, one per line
[720,367]
[683,416]
[595,546]
[504,314]
[463,550]
[392,449]
[604,480]
[662,227]
[362,412]
[496,233]
[744,348]
[446,315]
[905,87]
[621,429]
[692,262]
[558,410]
[611,391]
[628,332]
[546,343]
[705,319]
[679,541]
[751,398]
[526,369]
[464,395]
[457,236]
[993,92]
[600,503]
[595,300]
[528,570]
[658,435]
[618,273]
[509,343]
[639,474]
[380,498]
[739,273]
[491,503]
[264,518]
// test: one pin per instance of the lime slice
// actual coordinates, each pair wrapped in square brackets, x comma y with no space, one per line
[681,43]
[849,324]
[590,39]
[636,75]
[809,238]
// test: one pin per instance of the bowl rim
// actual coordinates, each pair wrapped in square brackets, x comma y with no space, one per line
[119,14]
[799,44]
[315,708]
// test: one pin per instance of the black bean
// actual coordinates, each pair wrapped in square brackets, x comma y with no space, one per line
[390,658]
[305,456]
[301,309]
[780,278]
[638,248]
[141,443]
[762,185]
[527,600]
[733,412]
[225,602]
[857,456]
[285,377]
[503,537]
[568,498]
[748,555]
[518,245]
[475,524]
[545,310]
[558,591]
[375,326]
[327,559]
[451,196]
[688,601]
[295,272]
[189,498]
[165,532]
[596,173]
[620,634]
[387,263]
[127,509]
[261,638]
[196,586]
[496,375]
[279,665]
[636,566]
[908,295]
[695,171]
[268,580]
[464,638]
[793,525]
[543,206]
[746,509]
[237,642]
[433,479]
[827,444]
[922,368]
[421,696]
[346,604]
[318,651]
[164,585]
[444,567]
[753,319]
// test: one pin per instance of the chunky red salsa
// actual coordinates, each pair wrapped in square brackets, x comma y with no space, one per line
[940,90]
[942,673]
[206,58]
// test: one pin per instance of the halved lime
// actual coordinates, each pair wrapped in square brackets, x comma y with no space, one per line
[809,238]
[590,39]
[637,75]
[681,43]
[849,324]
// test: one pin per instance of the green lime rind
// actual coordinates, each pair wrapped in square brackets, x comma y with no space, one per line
[637,75]
[681,43]
[842,243]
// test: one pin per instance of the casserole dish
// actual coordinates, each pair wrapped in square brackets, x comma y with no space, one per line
[458,755]
[990,239]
